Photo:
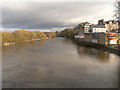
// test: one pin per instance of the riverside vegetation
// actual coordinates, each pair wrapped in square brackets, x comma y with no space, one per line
[18,36]
[68,33]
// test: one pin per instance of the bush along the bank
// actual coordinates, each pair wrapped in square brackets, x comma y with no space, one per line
[57,34]
[51,34]
[18,36]
[68,32]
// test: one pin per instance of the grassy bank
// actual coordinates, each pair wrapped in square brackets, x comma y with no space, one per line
[19,36]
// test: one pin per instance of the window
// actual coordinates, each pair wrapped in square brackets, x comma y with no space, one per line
[112,36]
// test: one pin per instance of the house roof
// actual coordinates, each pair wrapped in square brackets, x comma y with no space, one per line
[98,26]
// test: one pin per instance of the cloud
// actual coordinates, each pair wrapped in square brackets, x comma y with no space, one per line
[47,15]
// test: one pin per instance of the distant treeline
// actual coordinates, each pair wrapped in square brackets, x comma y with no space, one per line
[24,35]
[68,32]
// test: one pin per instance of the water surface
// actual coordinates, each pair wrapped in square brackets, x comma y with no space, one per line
[58,63]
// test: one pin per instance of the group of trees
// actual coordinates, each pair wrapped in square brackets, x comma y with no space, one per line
[23,35]
[68,32]
[50,34]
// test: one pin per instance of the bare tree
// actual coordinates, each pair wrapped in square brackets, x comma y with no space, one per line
[117,10]
[119,16]
[117,13]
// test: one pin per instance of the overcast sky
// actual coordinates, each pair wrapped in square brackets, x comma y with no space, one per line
[53,15]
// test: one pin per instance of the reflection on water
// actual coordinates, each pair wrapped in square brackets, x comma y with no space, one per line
[103,56]
[58,63]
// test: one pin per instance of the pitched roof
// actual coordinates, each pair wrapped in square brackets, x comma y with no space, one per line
[98,26]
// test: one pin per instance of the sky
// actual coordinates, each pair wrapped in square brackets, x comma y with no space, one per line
[52,16]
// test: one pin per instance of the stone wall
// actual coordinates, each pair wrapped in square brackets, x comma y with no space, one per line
[102,38]
[88,37]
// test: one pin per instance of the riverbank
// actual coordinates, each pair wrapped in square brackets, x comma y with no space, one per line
[21,36]
[7,44]
[111,48]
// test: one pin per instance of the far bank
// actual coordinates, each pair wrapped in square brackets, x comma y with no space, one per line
[22,36]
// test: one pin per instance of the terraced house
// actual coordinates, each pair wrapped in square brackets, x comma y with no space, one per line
[82,28]
[105,32]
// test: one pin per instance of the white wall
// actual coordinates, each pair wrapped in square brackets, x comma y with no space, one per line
[99,30]
[113,41]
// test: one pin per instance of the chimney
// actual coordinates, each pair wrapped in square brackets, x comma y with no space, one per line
[101,22]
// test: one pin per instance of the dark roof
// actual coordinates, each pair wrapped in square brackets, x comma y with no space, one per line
[98,26]
[101,22]
[107,22]
[81,25]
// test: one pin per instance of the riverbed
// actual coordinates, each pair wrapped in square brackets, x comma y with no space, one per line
[58,63]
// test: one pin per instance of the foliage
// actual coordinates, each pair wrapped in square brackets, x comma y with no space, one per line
[51,34]
[57,33]
[7,37]
[39,34]
[21,36]
[68,32]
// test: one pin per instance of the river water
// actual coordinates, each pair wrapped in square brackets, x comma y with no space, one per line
[58,63]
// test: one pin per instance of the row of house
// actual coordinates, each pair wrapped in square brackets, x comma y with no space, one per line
[105,32]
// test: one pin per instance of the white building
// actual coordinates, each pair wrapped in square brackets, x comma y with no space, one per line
[112,38]
[98,29]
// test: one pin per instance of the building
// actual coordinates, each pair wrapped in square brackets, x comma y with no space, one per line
[82,28]
[88,37]
[101,22]
[96,33]
[95,38]
[98,28]
[104,33]
[112,38]
[98,38]
[87,28]
[110,25]
[103,38]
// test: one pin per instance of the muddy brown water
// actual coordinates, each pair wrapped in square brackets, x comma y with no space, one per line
[58,63]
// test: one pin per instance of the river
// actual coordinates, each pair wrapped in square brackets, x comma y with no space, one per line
[58,63]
